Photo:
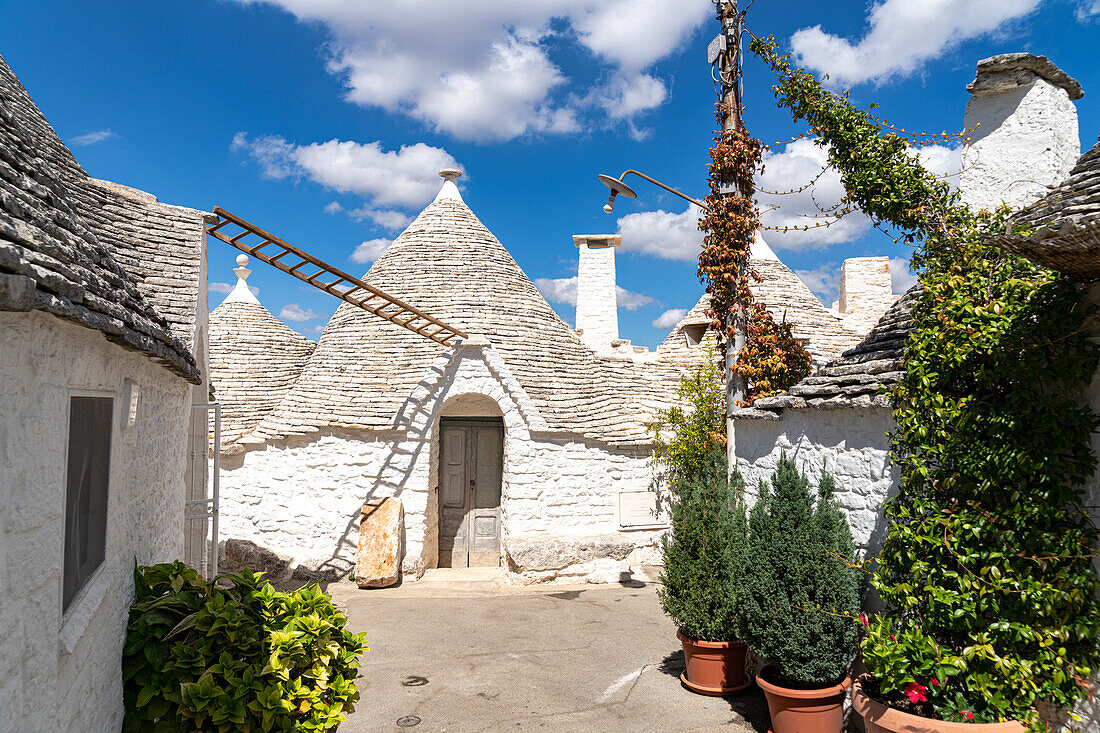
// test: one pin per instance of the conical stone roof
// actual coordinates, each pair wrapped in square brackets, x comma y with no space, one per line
[787,299]
[448,264]
[254,359]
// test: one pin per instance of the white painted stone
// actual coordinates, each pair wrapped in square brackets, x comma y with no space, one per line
[301,497]
[866,292]
[851,444]
[597,299]
[63,674]
[1024,139]
[240,292]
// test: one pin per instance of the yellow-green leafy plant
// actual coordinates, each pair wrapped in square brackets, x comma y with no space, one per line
[234,655]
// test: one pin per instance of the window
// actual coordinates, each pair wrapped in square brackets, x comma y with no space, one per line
[695,334]
[86,479]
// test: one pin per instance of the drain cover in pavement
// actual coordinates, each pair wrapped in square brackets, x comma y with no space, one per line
[408,721]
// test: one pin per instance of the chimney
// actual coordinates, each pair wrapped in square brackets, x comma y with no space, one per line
[865,292]
[597,311]
[1022,126]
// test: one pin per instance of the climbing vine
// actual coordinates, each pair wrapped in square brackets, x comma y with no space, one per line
[772,358]
[987,568]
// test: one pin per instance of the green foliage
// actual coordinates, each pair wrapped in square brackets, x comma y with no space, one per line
[772,359]
[200,656]
[684,436]
[987,566]
[703,551]
[798,593]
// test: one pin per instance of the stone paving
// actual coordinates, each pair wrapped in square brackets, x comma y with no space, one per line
[477,655]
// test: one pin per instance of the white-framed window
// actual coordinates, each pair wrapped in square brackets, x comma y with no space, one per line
[87,479]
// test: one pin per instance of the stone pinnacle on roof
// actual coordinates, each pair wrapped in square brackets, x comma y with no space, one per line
[449,191]
[1006,71]
[240,292]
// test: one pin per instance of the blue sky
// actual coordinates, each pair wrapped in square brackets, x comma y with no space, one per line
[325,122]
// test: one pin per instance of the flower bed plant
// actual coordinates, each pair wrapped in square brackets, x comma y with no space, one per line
[201,656]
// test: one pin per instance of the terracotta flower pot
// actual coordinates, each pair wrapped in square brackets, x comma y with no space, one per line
[714,667]
[804,711]
[878,718]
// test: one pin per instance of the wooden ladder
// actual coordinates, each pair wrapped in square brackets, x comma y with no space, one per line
[346,287]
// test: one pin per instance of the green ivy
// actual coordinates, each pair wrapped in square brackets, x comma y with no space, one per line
[234,655]
[798,592]
[987,566]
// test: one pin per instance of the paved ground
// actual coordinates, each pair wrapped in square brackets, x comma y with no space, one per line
[479,656]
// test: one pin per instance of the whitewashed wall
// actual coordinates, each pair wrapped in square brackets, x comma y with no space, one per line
[852,444]
[301,497]
[65,675]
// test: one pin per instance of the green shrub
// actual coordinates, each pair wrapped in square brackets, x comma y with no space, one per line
[199,656]
[987,571]
[684,436]
[702,551]
[798,591]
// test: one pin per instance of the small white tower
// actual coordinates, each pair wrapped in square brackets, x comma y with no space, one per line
[597,301]
[1023,130]
[240,292]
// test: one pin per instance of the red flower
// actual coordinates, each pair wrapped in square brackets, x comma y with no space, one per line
[863,620]
[967,714]
[916,693]
[893,638]
[935,682]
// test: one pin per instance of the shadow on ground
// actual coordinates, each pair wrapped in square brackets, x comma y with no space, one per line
[750,704]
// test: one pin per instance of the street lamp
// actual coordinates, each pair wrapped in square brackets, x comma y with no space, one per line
[618,187]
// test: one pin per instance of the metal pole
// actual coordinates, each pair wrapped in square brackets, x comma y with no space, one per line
[730,93]
[217,484]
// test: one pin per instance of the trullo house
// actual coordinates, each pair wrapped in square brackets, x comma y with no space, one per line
[527,445]
[102,331]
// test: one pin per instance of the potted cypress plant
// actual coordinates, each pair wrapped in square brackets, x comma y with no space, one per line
[798,600]
[702,547]
[702,552]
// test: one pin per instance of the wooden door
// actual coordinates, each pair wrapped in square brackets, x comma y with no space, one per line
[471,455]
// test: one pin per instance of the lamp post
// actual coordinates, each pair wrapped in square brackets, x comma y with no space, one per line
[724,53]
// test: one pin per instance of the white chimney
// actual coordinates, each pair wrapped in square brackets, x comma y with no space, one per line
[597,311]
[1022,126]
[866,292]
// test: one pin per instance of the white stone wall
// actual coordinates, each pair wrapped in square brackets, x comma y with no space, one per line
[301,497]
[851,444]
[597,299]
[64,674]
[866,292]
[1027,139]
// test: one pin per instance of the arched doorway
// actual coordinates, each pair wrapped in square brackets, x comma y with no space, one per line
[471,463]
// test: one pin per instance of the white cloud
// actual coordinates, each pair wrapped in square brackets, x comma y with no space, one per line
[795,166]
[369,251]
[91,138]
[663,234]
[228,288]
[942,160]
[1087,10]
[403,178]
[669,318]
[385,218]
[823,280]
[485,70]
[900,277]
[901,36]
[298,314]
[564,290]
